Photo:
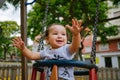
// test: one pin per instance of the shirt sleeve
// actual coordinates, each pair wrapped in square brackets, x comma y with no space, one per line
[43,53]
[69,56]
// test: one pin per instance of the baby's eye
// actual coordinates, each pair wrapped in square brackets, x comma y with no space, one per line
[63,34]
[55,33]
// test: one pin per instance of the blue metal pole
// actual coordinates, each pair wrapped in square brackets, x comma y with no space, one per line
[30,2]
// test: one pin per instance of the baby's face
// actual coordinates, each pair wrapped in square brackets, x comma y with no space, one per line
[57,36]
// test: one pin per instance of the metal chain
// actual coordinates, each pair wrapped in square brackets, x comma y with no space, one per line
[93,52]
[45,16]
[41,43]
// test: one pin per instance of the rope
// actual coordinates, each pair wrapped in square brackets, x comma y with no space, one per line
[93,52]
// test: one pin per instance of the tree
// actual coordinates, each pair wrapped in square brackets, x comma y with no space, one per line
[7,28]
[17,2]
[85,9]
[4,5]
[68,9]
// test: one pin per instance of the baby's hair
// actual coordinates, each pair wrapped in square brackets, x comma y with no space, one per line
[47,30]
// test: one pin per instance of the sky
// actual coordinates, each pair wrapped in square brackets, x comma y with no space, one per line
[13,15]
[10,14]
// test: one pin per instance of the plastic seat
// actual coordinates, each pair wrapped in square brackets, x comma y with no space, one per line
[91,69]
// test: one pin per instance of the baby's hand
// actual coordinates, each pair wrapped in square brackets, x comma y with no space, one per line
[17,42]
[76,27]
[37,38]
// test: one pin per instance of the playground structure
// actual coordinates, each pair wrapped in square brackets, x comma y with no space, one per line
[92,68]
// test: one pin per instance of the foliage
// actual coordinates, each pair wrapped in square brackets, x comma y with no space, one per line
[7,28]
[68,9]
[15,3]
[65,9]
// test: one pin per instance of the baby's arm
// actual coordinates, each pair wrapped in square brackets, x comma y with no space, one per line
[76,38]
[17,42]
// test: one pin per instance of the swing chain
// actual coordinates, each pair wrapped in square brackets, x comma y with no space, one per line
[45,16]
[41,43]
[93,52]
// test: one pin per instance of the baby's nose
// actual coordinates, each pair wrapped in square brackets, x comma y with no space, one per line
[59,35]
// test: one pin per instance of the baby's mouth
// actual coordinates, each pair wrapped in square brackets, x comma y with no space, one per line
[59,41]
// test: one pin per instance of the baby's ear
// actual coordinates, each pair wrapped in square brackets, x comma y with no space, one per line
[47,41]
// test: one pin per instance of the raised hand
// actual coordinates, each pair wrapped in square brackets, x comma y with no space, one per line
[76,27]
[18,42]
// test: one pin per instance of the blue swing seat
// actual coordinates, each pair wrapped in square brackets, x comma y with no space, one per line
[69,63]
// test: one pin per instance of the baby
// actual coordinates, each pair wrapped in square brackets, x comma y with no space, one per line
[56,38]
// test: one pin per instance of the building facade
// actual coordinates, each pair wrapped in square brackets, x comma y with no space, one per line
[107,55]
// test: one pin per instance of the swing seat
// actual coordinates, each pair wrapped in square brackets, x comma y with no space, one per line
[91,69]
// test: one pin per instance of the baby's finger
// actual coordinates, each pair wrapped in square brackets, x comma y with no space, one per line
[14,40]
[73,21]
[69,27]
[80,29]
[14,45]
[76,22]
[19,38]
[80,23]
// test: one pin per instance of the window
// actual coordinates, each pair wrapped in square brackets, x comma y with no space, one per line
[88,49]
[108,62]
[119,61]
[118,45]
[117,5]
[103,47]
